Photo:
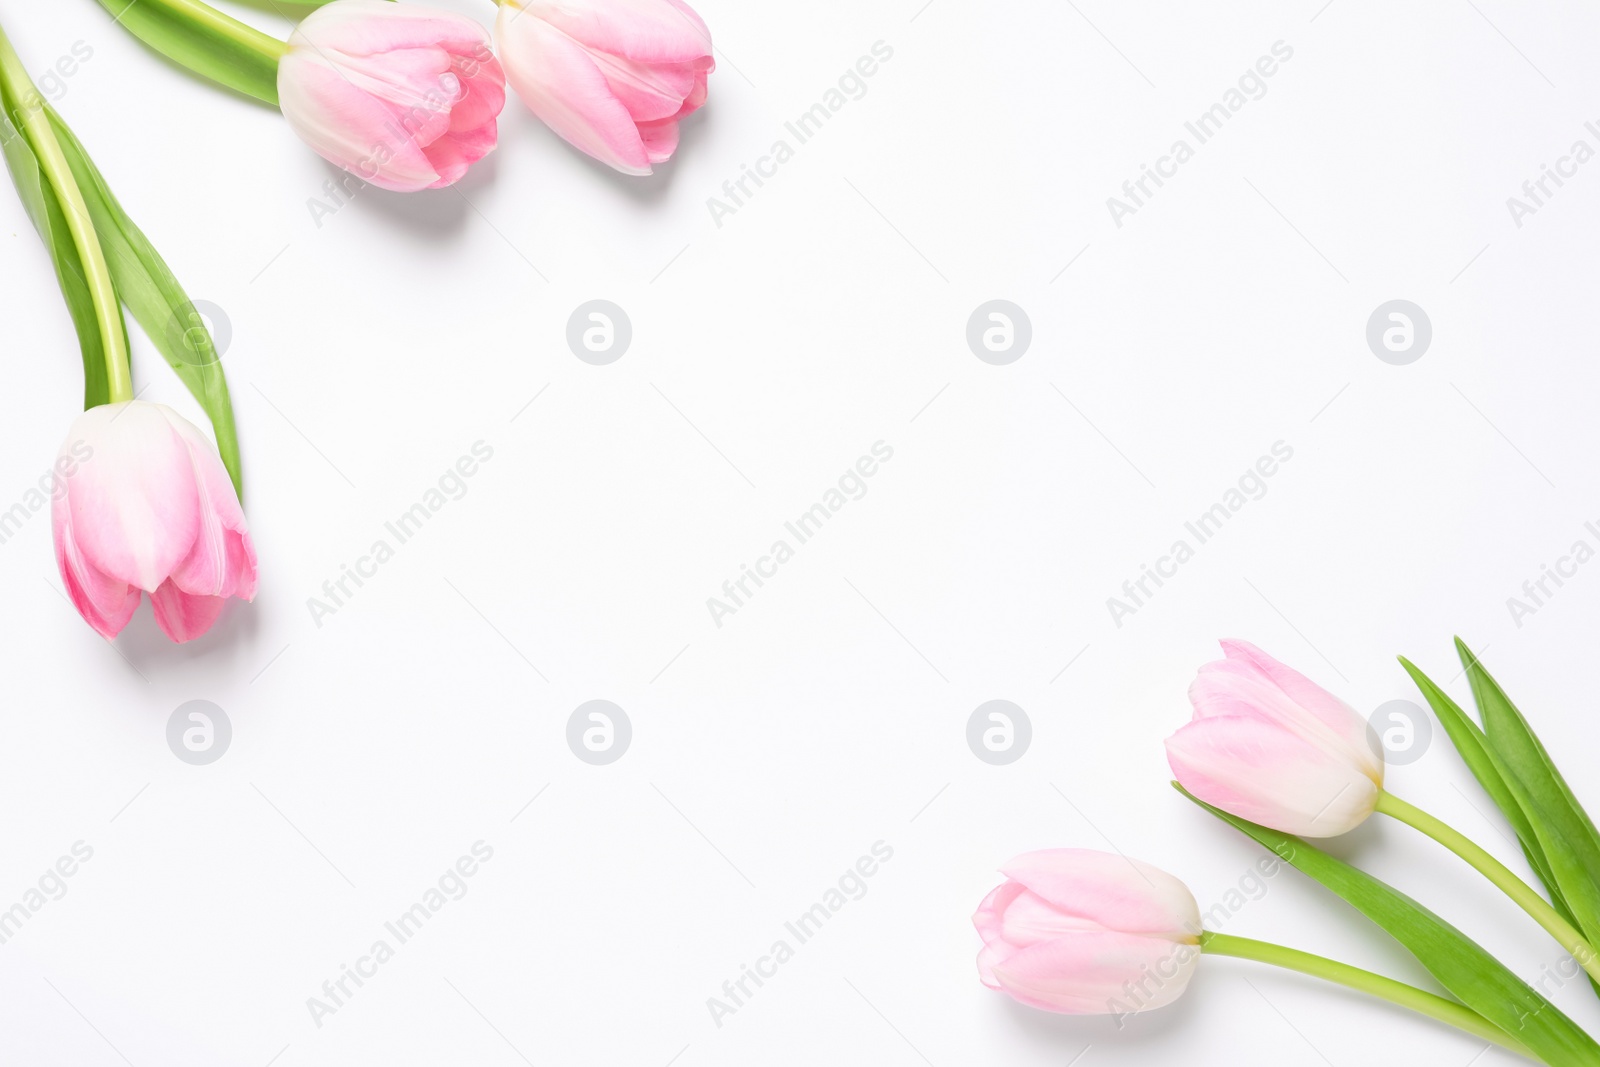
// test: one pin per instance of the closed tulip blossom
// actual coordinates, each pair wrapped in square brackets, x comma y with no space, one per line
[1081,932]
[612,77]
[1270,745]
[403,96]
[150,510]
[1085,933]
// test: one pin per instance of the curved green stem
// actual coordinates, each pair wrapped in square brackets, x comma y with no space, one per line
[205,17]
[1446,1011]
[1525,896]
[208,42]
[31,118]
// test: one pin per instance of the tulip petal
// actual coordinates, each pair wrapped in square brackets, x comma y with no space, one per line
[373,27]
[1268,775]
[1302,691]
[132,507]
[348,127]
[222,561]
[1109,890]
[1098,973]
[485,96]
[1234,688]
[648,92]
[660,139]
[373,86]
[647,31]
[562,84]
[105,603]
[184,616]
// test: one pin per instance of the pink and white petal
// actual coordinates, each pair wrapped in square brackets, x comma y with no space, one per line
[991,956]
[222,561]
[648,31]
[1230,689]
[484,97]
[184,616]
[1089,973]
[648,91]
[132,505]
[105,603]
[371,27]
[1270,776]
[660,139]
[1335,713]
[348,127]
[693,16]
[991,910]
[452,154]
[1031,919]
[1112,891]
[561,84]
[697,95]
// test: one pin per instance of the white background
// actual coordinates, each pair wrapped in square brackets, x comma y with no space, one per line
[828,313]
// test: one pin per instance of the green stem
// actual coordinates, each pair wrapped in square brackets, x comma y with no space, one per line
[1525,896]
[1418,1000]
[222,26]
[30,117]
[208,42]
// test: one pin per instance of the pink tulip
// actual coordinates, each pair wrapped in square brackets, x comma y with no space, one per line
[145,504]
[1087,933]
[613,77]
[405,97]
[1270,745]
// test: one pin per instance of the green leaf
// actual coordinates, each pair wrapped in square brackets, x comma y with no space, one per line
[1460,964]
[44,209]
[203,39]
[157,301]
[1564,831]
[1480,759]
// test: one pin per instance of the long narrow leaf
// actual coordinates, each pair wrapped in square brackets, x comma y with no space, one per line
[1480,760]
[1460,964]
[44,209]
[1564,830]
[158,302]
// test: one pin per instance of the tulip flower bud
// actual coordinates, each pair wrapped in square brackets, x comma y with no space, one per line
[612,77]
[403,96]
[1088,933]
[1269,745]
[144,503]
